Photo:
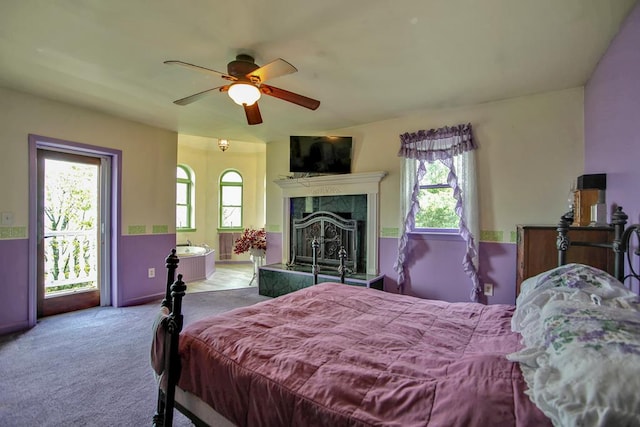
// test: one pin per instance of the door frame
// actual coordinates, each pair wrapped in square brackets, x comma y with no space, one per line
[111,165]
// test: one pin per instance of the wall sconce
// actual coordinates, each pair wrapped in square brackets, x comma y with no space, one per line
[223,145]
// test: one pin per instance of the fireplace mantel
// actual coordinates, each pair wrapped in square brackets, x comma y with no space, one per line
[336,185]
[332,185]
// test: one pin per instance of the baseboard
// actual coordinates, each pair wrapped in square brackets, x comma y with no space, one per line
[14,327]
[143,300]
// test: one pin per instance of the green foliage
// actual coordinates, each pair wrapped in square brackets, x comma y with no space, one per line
[73,287]
[437,209]
[69,203]
[436,173]
[437,204]
[86,255]
[70,190]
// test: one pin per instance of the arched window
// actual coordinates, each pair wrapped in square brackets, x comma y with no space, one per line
[185,182]
[231,200]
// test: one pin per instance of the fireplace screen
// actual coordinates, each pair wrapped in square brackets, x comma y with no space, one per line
[332,232]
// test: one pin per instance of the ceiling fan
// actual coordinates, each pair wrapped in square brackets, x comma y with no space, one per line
[247,84]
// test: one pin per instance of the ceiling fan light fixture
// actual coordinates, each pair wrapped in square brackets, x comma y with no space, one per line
[244,93]
[223,145]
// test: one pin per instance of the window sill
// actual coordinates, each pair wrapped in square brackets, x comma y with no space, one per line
[230,230]
[434,235]
[185,230]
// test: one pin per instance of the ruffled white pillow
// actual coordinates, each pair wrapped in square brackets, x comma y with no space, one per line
[571,282]
[585,368]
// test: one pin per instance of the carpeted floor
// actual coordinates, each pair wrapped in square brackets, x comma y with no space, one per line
[91,368]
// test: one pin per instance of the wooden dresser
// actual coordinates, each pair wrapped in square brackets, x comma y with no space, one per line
[537,251]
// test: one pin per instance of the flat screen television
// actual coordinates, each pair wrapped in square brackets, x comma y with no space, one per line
[320,154]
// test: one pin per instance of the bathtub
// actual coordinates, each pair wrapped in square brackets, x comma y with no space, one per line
[196,262]
[185,251]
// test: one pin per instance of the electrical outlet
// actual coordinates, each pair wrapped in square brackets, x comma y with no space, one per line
[152,273]
[6,218]
[488,289]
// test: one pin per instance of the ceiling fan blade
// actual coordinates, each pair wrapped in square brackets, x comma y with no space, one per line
[273,69]
[192,98]
[253,114]
[201,69]
[285,95]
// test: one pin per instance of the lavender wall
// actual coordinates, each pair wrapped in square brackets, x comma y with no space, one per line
[611,112]
[274,248]
[436,269]
[137,254]
[14,304]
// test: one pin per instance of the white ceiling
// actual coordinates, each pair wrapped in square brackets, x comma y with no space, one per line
[365,60]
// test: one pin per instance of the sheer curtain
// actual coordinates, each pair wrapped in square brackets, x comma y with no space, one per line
[455,148]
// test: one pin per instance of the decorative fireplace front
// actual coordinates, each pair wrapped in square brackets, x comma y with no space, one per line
[332,232]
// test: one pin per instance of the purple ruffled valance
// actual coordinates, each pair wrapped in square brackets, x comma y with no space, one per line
[437,144]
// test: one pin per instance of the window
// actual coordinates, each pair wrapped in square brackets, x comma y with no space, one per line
[231,200]
[184,198]
[436,202]
[438,164]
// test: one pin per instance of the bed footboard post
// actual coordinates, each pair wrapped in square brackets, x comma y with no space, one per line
[171,262]
[314,267]
[172,361]
[619,221]
[562,241]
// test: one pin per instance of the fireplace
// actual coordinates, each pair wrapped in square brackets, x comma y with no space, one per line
[351,201]
[334,237]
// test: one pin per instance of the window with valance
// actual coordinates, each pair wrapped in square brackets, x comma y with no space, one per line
[454,149]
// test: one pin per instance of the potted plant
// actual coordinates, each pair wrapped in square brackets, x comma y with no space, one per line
[252,241]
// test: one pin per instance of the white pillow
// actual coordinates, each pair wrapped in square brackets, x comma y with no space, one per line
[586,369]
[575,282]
[571,277]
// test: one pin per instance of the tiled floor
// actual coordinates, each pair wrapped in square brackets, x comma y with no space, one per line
[226,276]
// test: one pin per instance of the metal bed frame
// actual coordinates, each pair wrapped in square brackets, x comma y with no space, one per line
[621,244]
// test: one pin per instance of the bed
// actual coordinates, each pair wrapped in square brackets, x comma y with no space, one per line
[339,355]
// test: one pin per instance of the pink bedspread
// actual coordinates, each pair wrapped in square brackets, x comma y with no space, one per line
[338,355]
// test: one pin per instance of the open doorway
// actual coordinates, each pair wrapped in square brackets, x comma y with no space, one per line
[69,223]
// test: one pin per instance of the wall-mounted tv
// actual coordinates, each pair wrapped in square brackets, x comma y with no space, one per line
[320,154]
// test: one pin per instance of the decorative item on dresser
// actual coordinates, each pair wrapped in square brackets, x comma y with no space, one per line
[584,199]
[589,200]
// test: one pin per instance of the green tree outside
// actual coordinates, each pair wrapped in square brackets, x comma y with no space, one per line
[70,189]
[437,204]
